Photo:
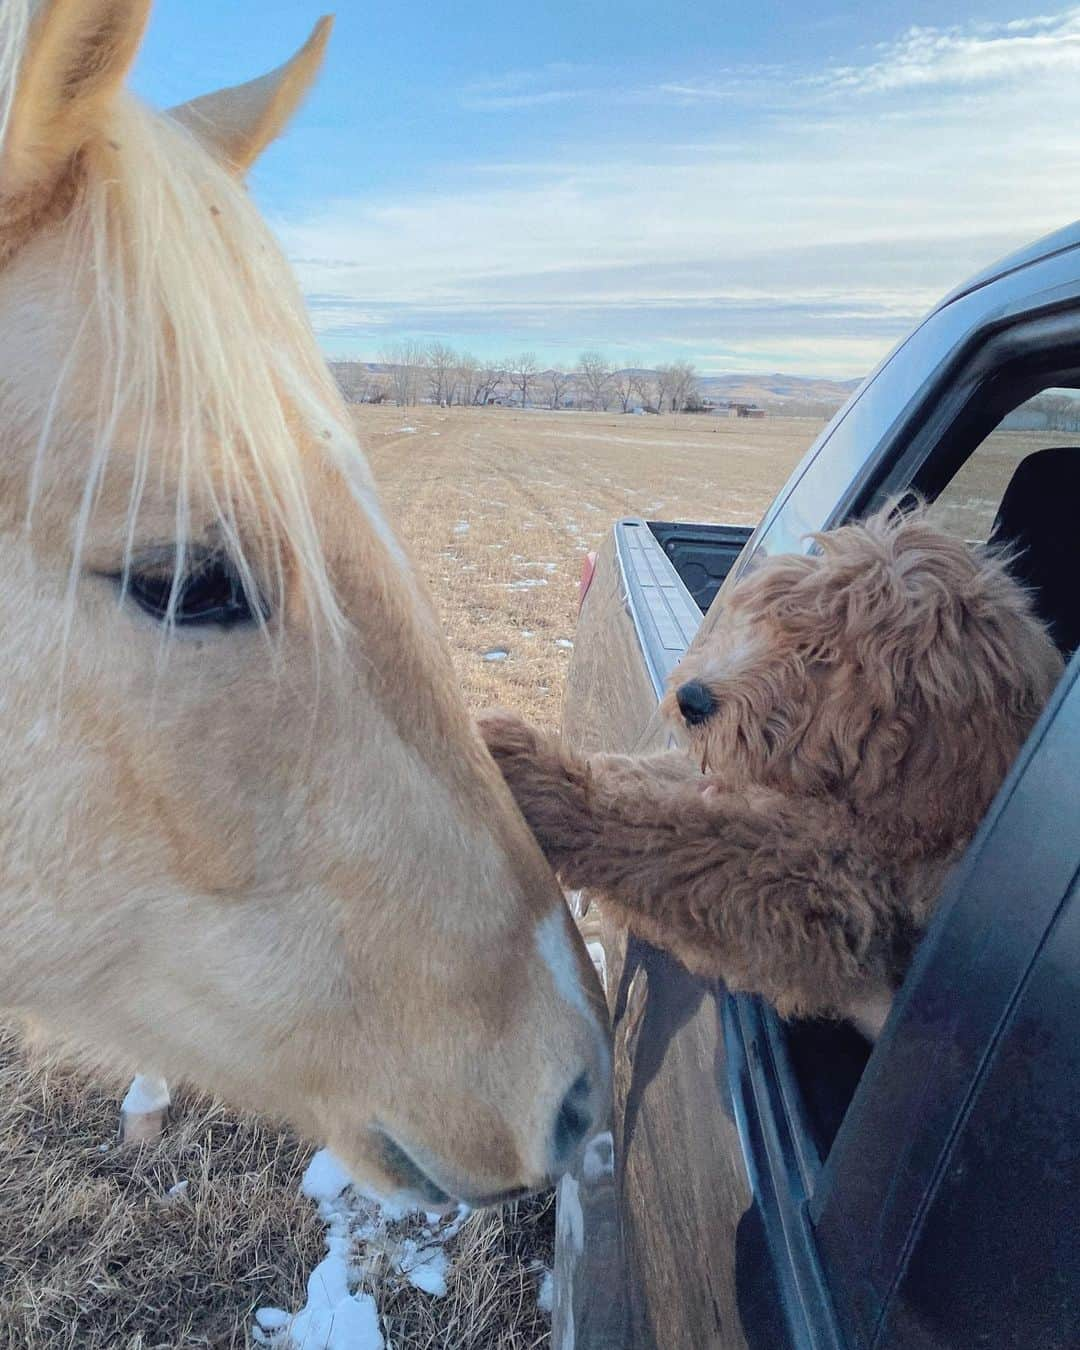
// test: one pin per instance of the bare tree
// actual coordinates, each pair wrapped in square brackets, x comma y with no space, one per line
[682,384]
[624,384]
[441,363]
[663,379]
[405,360]
[522,371]
[468,371]
[673,385]
[489,380]
[644,388]
[595,375]
[1062,411]
[558,383]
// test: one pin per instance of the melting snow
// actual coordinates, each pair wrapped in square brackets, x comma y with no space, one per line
[495,654]
[526,583]
[564,643]
[406,429]
[324,1179]
[338,1314]
[462,527]
[424,1267]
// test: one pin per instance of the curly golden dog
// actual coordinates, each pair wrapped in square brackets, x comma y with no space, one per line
[852,715]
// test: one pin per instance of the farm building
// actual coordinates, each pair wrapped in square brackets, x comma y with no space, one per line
[733,408]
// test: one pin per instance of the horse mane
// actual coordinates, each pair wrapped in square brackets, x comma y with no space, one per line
[199,327]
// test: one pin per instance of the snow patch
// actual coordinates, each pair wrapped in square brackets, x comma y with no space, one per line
[409,429]
[324,1179]
[339,1314]
[424,1267]
[145,1095]
[526,583]
[495,654]
[462,527]
[565,644]
[332,1318]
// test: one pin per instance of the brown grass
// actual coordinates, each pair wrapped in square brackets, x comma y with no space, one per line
[537,490]
[94,1252]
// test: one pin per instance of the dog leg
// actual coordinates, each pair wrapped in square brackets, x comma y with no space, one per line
[767,892]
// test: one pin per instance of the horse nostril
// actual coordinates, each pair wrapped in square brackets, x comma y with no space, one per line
[695,701]
[574,1120]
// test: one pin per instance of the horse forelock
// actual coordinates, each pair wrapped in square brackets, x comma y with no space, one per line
[197,334]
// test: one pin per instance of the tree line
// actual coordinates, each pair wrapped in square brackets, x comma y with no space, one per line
[415,372]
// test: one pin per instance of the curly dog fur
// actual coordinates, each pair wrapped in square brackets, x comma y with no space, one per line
[854,712]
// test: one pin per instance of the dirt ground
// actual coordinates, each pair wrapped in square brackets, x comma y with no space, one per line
[98,1249]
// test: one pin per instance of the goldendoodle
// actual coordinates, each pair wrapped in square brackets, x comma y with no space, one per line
[850,719]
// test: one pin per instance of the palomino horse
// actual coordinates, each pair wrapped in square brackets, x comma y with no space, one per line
[248,835]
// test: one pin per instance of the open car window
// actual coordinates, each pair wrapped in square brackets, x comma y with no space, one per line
[983,476]
[969,503]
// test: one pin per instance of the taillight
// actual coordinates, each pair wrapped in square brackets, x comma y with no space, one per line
[588,571]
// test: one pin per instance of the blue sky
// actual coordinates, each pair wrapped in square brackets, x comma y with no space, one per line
[769,186]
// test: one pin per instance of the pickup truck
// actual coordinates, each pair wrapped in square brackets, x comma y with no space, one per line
[785,1184]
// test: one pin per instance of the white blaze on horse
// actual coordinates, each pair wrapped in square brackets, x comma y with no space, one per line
[248,835]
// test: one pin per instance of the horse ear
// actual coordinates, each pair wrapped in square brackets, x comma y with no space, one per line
[238,123]
[77,54]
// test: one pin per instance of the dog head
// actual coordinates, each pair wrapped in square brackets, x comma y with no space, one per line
[896,668]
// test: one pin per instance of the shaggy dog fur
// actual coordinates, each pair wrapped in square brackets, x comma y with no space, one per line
[853,714]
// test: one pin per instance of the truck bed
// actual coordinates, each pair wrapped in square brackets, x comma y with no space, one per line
[702,555]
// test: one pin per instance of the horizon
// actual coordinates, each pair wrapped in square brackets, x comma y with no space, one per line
[379,363]
[788,192]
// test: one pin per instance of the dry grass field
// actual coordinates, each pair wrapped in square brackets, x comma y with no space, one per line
[498,506]
[98,1249]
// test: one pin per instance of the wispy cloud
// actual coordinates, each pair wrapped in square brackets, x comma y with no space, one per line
[814,228]
[979,54]
[557,82]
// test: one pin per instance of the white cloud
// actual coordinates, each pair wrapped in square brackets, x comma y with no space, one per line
[923,58]
[820,228]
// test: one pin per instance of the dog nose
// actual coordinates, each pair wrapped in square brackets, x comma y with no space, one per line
[573,1122]
[695,701]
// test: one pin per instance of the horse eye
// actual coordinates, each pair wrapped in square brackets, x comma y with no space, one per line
[210,592]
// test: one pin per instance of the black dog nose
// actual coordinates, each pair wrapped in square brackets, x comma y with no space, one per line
[574,1120]
[695,702]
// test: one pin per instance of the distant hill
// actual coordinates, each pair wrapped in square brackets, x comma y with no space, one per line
[779,392]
